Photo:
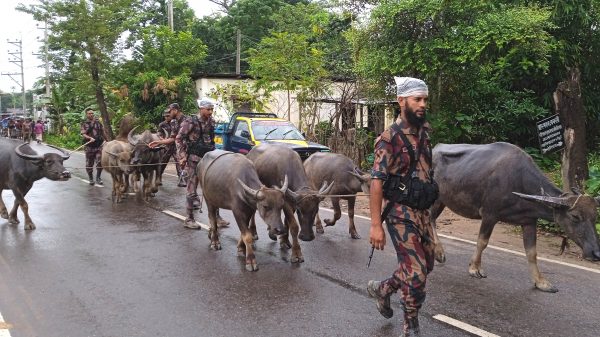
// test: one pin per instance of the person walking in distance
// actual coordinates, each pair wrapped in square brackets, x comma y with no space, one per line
[195,138]
[93,135]
[38,129]
[27,129]
[175,119]
[402,176]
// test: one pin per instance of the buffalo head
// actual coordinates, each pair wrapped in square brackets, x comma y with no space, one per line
[123,160]
[576,214]
[363,178]
[307,207]
[142,153]
[51,164]
[269,203]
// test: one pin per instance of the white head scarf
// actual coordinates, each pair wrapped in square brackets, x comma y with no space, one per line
[410,86]
[205,103]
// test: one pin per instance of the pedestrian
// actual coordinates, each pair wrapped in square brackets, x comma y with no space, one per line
[402,176]
[93,135]
[167,131]
[11,128]
[194,139]
[38,129]
[27,130]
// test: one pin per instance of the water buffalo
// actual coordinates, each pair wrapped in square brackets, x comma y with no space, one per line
[229,180]
[273,162]
[116,159]
[500,182]
[20,167]
[324,166]
[146,160]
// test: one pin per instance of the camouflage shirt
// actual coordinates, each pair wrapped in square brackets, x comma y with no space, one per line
[93,129]
[176,125]
[392,157]
[191,130]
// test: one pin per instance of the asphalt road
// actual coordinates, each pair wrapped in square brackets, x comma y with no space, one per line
[92,268]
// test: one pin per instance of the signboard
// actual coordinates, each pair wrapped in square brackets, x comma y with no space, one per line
[550,134]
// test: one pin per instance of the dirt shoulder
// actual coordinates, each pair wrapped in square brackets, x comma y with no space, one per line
[504,235]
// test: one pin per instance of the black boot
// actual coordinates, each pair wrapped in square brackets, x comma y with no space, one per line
[91,178]
[411,327]
[383,302]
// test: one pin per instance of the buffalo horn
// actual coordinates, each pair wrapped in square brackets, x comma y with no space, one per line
[285,184]
[326,189]
[65,154]
[249,190]
[363,178]
[554,202]
[26,156]
[130,137]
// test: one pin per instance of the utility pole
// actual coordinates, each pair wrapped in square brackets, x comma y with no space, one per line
[170,14]
[47,65]
[18,60]
[238,52]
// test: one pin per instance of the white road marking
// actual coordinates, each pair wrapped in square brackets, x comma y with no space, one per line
[181,217]
[4,332]
[593,270]
[464,326]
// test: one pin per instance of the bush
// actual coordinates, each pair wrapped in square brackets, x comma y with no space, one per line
[70,140]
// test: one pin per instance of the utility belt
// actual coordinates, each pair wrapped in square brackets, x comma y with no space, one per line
[199,148]
[411,191]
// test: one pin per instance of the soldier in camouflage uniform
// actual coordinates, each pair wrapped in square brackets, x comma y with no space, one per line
[196,131]
[165,131]
[176,118]
[409,229]
[92,132]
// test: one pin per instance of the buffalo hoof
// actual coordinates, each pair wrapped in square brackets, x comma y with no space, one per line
[546,286]
[13,221]
[215,245]
[285,244]
[329,222]
[252,266]
[477,273]
[255,237]
[297,259]
[320,230]
[29,226]
[272,236]
[440,255]
[354,235]
[241,252]
[222,222]
[4,215]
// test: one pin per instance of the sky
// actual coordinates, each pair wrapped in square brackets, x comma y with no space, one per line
[20,26]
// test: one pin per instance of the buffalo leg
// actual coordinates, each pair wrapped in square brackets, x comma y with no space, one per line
[246,240]
[290,221]
[337,212]
[12,216]
[485,231]
[252,227]
[29,225]
[529,242]
[319,227]
[3,210]
[435,211]
[293,227]
[213,234]
[352,228]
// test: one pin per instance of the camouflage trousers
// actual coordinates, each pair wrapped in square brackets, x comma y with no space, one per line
[93,155]
[192,185]
[415,261]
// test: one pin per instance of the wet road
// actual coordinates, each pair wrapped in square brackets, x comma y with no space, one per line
[92,268]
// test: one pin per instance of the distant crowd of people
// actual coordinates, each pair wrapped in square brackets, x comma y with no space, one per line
[24,129]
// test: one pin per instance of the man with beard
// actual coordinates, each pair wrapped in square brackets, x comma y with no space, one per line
[402,176]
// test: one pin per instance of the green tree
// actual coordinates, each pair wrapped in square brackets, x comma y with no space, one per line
[89,31]
[286,61]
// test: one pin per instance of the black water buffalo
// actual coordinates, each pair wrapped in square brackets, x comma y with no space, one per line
[500,182]
[273,162]
[116,160]
[229,181]
[146,160]
[349,180]
[20,167]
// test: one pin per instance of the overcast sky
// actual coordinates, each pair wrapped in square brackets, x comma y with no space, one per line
[19,26]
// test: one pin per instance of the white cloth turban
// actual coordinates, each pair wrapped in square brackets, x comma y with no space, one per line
[410,86]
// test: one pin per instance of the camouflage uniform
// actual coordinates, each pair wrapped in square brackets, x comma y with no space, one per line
[27,129]
[191,130]
[409,229]
[166,129]
[93,151]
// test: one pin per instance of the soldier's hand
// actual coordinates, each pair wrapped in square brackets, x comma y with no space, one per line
[182,163]
[153,144]
[377,237]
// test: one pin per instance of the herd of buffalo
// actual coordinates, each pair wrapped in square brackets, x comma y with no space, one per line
[492,182]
